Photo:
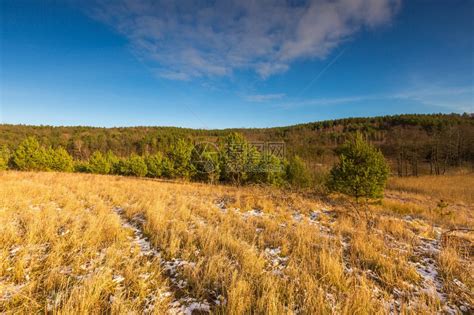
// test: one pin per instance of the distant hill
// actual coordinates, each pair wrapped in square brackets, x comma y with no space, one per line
[413,143]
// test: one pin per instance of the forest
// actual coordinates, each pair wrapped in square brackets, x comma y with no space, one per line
[413,144]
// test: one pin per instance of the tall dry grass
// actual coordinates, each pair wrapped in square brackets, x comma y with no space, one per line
[245,250]
[453,188]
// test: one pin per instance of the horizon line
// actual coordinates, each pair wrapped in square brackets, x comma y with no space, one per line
[470,114]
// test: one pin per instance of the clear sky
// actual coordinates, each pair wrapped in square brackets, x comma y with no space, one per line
[217,64]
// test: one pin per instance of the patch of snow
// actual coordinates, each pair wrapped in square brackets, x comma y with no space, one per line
[427,268]
[63,231]
[8,291]
[187,306]
[172,267]
[277,263]
[117,279]
[53,300]
[460,284]
[14,250]
[330,299]
[314,216]
[220,300]
[298,217]
[345,243]
[151,299]
[253,213]
[464,308]
[35,207]
[221,206]
[66,270]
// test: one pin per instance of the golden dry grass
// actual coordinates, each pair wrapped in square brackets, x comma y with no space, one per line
[453,188]
[68,247]
[447,201]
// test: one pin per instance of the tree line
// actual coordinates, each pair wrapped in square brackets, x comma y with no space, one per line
[232,160]
[413,144]
[361,171]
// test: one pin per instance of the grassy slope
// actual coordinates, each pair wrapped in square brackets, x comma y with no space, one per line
[64,248]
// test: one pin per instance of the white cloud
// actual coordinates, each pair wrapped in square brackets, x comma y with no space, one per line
[188,39]
[264,97]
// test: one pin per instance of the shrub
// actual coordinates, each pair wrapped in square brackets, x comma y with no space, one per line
[81,167]
[361,172]
[133,166]
[234,156]
[297,174]
[154,164]
[270,170]
[206,165]
[167,168]
[4,157]
[60,160]
[113,161]
[98,164]
[180,157]
[30,156]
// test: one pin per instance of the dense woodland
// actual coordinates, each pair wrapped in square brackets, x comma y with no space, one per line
[413,144]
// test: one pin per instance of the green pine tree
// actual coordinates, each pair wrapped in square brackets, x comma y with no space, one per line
[60,160]
[297,174]
[361,172]
[206,164]
[180,158]
[133,166]
[113,161]
[98,164]
[234,157]
[270,170]
[31,156]
[167,168]
[154,164]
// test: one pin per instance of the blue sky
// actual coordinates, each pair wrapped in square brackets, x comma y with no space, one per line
[221,64]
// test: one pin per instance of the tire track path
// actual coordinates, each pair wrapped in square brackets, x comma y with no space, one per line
[182,302]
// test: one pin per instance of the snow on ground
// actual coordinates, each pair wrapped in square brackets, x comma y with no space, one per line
[298,217]
[14,250]
[314,216]
[427,267]
[253,213]
[8,290]
[277,263]
[189,306]
[184,305]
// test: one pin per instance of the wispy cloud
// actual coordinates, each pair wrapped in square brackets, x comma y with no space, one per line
[459,99]
[188,39]
[264,97]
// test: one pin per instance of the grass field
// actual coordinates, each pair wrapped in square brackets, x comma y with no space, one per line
[78,243]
